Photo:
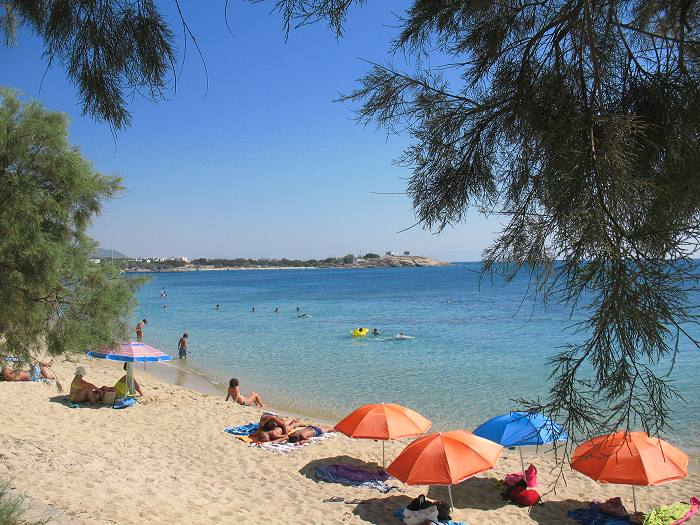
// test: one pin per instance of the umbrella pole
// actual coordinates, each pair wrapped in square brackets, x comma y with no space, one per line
[383,460]
[522,463]
[634,499]
[449,491]
[130,377]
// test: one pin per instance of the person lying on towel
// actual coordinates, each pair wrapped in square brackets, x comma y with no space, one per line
[302,435]
[39,371]
[274,427]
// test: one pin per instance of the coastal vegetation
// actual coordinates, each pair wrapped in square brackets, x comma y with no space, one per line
[52,297]
[14,508]
[575,122]
[173,264]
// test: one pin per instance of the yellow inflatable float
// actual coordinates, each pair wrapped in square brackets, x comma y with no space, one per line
[360,332]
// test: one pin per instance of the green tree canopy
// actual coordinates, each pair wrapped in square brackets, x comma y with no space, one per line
[109,50]
[577,121]
[52,296]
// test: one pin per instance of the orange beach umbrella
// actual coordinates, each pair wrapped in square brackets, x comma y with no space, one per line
[445,458]
[630,458]
[383,421]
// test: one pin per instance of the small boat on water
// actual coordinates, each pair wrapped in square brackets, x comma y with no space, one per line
[360,332]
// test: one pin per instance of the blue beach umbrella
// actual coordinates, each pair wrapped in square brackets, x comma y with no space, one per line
[130,353]
[517,429]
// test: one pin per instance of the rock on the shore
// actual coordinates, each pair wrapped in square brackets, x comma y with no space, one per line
[394,261]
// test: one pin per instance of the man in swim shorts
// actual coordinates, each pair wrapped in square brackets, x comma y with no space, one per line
[182,346]
[304,434]
[139,329]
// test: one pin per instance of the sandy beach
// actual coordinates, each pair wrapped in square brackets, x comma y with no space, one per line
[167,460]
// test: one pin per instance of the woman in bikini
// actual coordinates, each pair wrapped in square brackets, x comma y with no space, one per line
[234,392]
[81,390]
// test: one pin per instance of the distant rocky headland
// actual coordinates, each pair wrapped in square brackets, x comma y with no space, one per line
[395,261]
[182,264]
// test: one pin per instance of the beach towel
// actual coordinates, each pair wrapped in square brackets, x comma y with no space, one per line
[356,477]
[124,403]
[399,514]
[358,473]
[666,514]
[593,516]
[694,508]
[243,430]
[290,447]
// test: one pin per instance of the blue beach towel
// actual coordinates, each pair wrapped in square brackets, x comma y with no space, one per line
[399,514]
[325,474]
[124,403]
[243,430]
[593,516]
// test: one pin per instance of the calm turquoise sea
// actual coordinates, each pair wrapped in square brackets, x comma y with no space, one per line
[476,346]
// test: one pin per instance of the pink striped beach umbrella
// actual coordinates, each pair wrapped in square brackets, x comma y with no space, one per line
[131,352]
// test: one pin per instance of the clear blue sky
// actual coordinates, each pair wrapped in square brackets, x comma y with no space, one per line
[264,165]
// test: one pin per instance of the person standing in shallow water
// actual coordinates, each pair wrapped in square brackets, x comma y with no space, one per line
[182,346]
[139,329]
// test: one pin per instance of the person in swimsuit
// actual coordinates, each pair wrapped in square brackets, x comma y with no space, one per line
[139,329]
[234,392]
[81,390]
[39,371]
[302,435]
[182,346]
[122,387]
[272,427]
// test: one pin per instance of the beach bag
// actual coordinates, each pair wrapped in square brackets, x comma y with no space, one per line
[524,497]
[418,517]
[613,507]
[443,511]
[511,479]
[531,476]
[108,397]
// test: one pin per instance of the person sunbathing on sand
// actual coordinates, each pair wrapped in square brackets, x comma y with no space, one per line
[234,392]
[82,391]
[302,435]
[40,370]
[272,427]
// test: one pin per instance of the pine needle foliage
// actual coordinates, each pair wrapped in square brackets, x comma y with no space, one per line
[53,298]
[110,50]
[578,121]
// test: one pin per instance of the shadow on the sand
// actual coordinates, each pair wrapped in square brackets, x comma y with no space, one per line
[555,512]
[309,470]
[63,400]
[474,493]
[380,510]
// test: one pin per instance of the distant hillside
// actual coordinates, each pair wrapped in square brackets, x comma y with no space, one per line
[103,253]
